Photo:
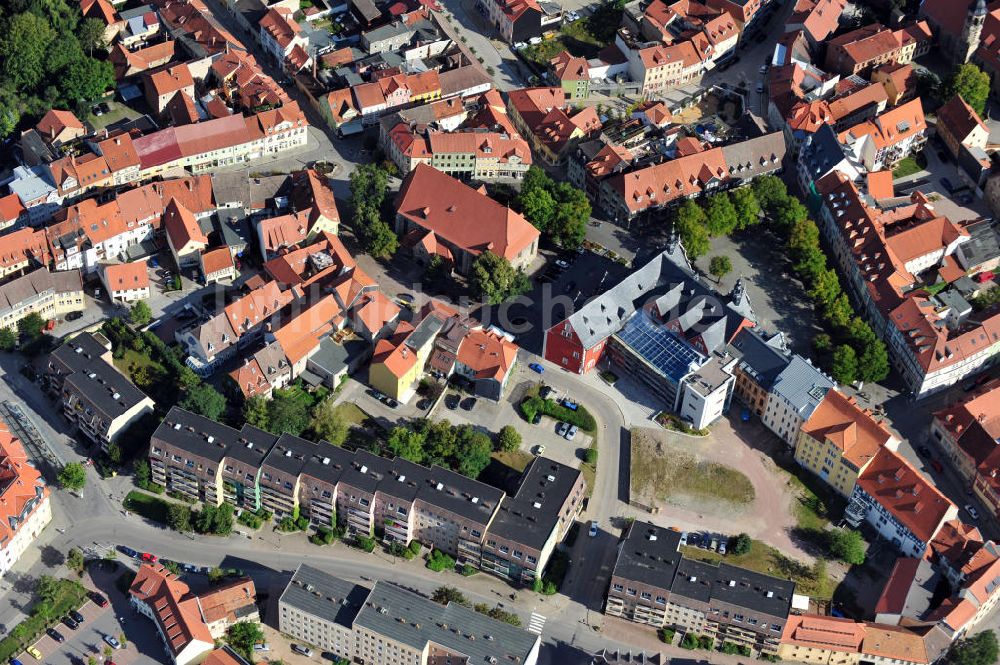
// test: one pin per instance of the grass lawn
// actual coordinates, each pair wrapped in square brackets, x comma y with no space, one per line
[763,558]
[815,502]
[575,37]
[659,475]
[909,166]
[150,507]
[352,414]
[133,359]
[516,460]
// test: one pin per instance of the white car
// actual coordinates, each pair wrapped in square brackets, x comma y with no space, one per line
[539,450]
[519,45]
[535,41]
[570,433]
[684,538]
[112,642]
[562,264]
[593,528]
[972,511]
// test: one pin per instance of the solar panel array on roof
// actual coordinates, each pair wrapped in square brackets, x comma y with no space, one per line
[660,347]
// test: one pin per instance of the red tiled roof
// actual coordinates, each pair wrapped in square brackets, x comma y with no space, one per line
[20,484]
[824,632]
[850,428]
[959,119]
[181,226]
[125,276]
[174,607]
[56,120]
[880,185]
[487,354]
[216,260]
[435,201]
[906,493]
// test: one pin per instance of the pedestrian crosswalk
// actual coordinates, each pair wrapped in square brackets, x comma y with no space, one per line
[535,623]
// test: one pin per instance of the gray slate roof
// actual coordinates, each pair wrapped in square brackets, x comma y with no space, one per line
[802,385]
[529,516]
[312,591]
[94,380]
[759,357]
[414,620]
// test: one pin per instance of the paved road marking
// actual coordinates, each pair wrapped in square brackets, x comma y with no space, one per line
[535,623]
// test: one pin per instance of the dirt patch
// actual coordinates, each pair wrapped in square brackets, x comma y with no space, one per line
[661,472]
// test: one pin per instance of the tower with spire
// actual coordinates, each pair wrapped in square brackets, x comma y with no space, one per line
[971,33]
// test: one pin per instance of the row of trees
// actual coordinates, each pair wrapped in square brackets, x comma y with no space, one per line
[851,350]
[369,184]
[557,209]
[216,520]
[47,60]
[461,448]
[287,412]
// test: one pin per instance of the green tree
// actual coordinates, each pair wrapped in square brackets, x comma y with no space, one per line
[406,444]
[825,288]
[242,635]
[187,379]
[10,113]
[90,32]
[255,412]
[980,649]
[24,39]
[741,544]
[74,561]
[140,314]
[495,280]
[789,212]
[31,326]
[689,221]
[142,473]
[449,594]
[47,588]
[475,448]
[720,266]
[845,364]
[569,225]
[747,207]
[8,339]
[287,413]
[328,424]
[971,84]
[803,238]
[379,239]
[62,52]
[86,79]
[721,215]
[508,439]
[538,207]
[179,517]
[72,477]
[847,545]
[204,400]
[769,191]
[839,312]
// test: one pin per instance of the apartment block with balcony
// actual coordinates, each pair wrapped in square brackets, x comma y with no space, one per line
[531,523]
[652,583]
[208,461]
[389,624]
[24,501]
[98,399]
[48,294]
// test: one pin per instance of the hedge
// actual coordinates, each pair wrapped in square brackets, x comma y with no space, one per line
[581,417]
[70,596]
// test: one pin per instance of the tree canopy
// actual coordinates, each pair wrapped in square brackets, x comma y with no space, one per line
[495,280]
[329,424]
[73,477]
[980,649]
[557,209]
[205,400]
[971,84]
[461,448]
[690,223]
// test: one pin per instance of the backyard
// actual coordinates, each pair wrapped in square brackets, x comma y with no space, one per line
[584,37]
[914,163]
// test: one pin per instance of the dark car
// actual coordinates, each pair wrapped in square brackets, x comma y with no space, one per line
[451,401]
[544,392]
[71,623]
[76,616]
[55,634]
[73,316]
[128,551]
[99,599]
[925,451]
[390,402]
[468,403]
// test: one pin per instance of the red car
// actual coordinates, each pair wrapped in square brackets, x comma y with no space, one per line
[99,599]
[937,466]
[147,557]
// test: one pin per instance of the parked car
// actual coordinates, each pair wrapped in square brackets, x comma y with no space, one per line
[539,449]
[148,558]
[562,428]
[262,646]
[451,401]
[128,551]
[70,623]
[100,600]
[593,528]
[301,649]
[76,616]
[684,538]
[973,513]
[112,642]
[722,547]
[562,264]
[571,432]
[73,316]
[947,185]
[570,404]
[55,634]
[535,367]
[714,545]
[468,403]
[34,653]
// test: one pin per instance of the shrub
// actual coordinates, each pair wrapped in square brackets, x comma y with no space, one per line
[469,570]
[741,544]
[690,641]
[498,614]
[438,561]
[581,417]
[590,457]
[666,635]
[366,543]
